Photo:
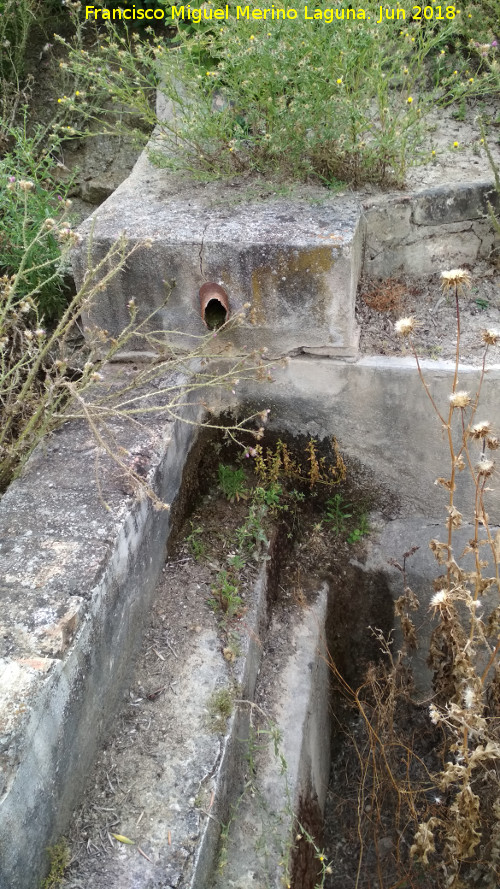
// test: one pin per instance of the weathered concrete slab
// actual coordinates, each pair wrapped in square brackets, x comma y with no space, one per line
[420,233]
[295,261]
[79,562]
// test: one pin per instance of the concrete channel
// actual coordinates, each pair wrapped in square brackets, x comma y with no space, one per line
[81,556]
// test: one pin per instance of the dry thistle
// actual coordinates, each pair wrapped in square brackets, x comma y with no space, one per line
[490,337]
[460,399]
[485,467]
[480,430]
[405,326]
[424,841]
[458,278]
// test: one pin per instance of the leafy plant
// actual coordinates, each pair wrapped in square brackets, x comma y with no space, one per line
[220,707]
[16,19]
[225,594]
[195,542]
[236,561]
[336,512]
[271,497]
[251,536]
[362,529]
[248,95]
[35,233]
[232,482]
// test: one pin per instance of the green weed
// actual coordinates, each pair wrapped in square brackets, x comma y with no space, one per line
[34,222]
[271,497]
[336,512]
[59,858]
[16,19]
[251,537]
[482,304]
[361,530]
[225,594]
[236,561]
[232,482]
[249,95]
[195,543]
[220,707]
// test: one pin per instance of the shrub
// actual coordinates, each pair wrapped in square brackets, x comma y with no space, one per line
[306,99]
[31,203]
[16,19]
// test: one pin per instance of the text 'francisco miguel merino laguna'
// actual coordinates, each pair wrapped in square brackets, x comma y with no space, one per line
[329,15]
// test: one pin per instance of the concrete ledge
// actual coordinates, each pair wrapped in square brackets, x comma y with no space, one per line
[262,831]
[295,260]
[77,578]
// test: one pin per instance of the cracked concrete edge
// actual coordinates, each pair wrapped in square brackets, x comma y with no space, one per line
[229,776]
[56,710]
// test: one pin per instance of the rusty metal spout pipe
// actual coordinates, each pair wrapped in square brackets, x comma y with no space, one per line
[214,305]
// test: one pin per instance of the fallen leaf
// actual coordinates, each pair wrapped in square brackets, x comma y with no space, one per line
[121,839]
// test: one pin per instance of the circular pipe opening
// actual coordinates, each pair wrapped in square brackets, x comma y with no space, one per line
[214,304]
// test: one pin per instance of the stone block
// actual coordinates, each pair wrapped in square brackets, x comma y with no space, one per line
[462,202]
[295,261]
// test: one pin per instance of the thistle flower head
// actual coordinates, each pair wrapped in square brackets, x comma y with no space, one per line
[485,467]
[439,598]
[434,714]
[469,697]
[405,326]
[455,278]
[480,430]
[490,337]
[460,399]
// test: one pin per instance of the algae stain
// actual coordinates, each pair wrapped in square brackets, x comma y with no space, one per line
[260,277]
[294,277]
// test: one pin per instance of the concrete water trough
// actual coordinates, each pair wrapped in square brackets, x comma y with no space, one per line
[80,560]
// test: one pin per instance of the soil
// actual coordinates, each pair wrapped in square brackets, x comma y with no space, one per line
[380,304]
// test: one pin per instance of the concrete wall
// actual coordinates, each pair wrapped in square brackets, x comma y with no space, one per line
[417,234]
[295,261]
[379,412]
[79,563]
